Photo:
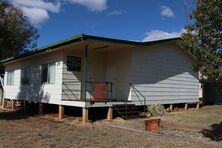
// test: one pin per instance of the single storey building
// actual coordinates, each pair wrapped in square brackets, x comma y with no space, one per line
[89,71]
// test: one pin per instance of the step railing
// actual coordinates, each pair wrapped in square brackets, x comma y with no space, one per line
[139,95]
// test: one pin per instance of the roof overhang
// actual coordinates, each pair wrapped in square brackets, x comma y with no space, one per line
[87,39]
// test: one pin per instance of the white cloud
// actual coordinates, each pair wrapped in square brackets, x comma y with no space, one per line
[159,34]
[49,6]
[37,11]
[166,11]
[92,5]
[117,12]
[36,15]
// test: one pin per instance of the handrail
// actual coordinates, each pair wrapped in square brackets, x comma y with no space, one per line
[2,82]
[72,93]
[137,91]
[89,88]
[109,90]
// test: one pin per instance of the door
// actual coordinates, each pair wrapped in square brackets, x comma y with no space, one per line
[99,91]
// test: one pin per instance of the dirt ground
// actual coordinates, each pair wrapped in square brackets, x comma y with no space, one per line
[202,128]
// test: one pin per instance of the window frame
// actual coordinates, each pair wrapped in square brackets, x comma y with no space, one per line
[47,73]
[10,82]
[27,75]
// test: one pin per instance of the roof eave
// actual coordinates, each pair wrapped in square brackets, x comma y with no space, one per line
[84,37]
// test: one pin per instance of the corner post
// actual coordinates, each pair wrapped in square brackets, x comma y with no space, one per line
[85,72]
[61,111]
[185,106]
[13,104]
[85,115]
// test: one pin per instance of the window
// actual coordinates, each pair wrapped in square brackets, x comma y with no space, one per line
[48,73]
[10,77]
[25,75]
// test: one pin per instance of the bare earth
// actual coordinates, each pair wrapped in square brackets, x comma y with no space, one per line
[202,128]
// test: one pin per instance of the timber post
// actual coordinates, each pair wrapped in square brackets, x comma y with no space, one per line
[85,115]
[41,108]
[171,107]
[13,104]
[61,111]
[110,114]
[198,105]
[25,106]
[186,106]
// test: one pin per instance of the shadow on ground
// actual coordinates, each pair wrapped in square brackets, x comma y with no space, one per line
[20,113]
[214,133]
[13,115]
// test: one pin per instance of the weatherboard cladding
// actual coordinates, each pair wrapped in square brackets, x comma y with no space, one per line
[35,90]
[160,71]
[163,75]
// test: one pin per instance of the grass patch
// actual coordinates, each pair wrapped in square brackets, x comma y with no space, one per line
[205,115]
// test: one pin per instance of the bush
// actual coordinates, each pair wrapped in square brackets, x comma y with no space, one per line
[155,110]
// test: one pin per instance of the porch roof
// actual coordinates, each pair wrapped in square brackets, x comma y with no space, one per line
[84,37]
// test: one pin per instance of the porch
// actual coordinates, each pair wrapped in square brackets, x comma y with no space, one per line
[96,72]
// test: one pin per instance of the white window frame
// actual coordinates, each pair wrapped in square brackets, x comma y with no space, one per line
[10,77]
[27,76]
[50,75]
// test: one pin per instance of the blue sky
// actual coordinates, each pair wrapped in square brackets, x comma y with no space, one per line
[140,20]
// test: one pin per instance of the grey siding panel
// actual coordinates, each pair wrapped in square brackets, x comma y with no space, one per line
[71,87]
[121,60]
[162,74]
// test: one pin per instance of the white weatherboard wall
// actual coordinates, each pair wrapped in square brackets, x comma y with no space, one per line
[35,91]
[118,65]
[163,75]
[71,87]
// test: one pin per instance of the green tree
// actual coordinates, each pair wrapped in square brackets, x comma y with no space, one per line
[203,37]
[17,34]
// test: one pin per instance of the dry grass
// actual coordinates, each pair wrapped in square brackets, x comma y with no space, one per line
[19,130]
[207,115]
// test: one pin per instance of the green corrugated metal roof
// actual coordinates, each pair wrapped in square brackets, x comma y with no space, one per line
[83,37]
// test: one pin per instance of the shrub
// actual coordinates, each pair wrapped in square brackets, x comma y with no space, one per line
[155,110]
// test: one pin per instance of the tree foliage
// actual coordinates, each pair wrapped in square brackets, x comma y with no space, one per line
[16,32]
[203,37]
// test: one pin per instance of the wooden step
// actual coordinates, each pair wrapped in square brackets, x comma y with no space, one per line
[127,111]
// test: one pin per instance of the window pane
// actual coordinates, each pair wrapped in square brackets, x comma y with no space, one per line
[25,75]
[10,78]
[28,74]
[22,75]
[44,73]
[51,73]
